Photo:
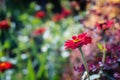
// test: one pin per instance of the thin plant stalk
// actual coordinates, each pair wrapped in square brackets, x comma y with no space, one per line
[104,54]
[84,63]
[104,50]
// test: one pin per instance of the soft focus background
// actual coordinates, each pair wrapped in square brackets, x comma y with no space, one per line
[32,38]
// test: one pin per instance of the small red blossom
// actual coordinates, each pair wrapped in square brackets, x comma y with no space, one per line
[66,12]
[4,24]
[5,66]
[78,41]
[40,14]
[39,31]
[104,25]
[57,17]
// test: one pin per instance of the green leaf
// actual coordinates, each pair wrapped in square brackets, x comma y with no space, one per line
[32,5]
[7,44]
[24,17]
[31,73]
[42,69]
[40,72]
[35,21]
[100,46]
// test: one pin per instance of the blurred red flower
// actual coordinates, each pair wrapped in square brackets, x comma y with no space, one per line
[40,14]
[105,25]
[5,66]
[4,24]
[66,12]
[78,41]
[39,31]
[57,17]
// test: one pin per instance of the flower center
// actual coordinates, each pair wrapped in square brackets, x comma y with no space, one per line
[76,40]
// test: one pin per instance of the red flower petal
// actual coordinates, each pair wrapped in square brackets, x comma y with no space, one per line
[5,66]
[40,14]
[4,24]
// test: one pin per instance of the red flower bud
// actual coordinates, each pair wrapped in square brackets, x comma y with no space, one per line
[39,31]
[5,66]
[40,14]
[4,24]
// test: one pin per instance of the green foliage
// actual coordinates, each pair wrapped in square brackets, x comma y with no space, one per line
[100,46]
[30,71]
[42,71]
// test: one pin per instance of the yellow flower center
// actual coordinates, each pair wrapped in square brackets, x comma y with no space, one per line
[76,40]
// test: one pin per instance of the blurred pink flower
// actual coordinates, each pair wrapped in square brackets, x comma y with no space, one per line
[105,25]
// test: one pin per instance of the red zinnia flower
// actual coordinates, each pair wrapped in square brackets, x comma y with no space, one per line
[40,14]
[5,66]
[4,24]
[39,31]
[78,41]
[105,25]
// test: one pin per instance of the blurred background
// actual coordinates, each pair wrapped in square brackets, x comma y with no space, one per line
[33,32]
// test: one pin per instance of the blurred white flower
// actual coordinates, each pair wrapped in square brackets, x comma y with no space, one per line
[65,54]
[25,71]
[24,56]
[13,61]
[29,27]
[8,77]
[23,38]
[92,77]
[45,47]
[13,25]
[95,76]
[37,7]
[3,59]
[56,39]
[8,74]
[47,35]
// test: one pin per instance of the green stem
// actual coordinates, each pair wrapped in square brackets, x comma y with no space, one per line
[84,62]
[104,56]
[104,51]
